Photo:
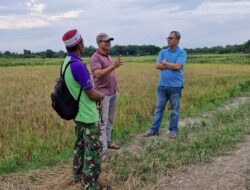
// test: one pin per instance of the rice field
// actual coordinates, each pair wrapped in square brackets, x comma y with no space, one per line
[32,135]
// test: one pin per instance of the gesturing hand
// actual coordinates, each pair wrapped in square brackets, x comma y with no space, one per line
[118,62]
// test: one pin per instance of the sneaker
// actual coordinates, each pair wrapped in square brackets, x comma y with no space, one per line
[113,146]
[150,133]
[172,135]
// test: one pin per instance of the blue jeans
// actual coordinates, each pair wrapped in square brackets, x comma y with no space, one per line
[173,94]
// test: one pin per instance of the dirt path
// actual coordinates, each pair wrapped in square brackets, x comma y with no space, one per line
[226,172]
[204,118]
[230,172]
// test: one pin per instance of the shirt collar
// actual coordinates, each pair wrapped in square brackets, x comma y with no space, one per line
[74,56]
[176,49]
[102,53]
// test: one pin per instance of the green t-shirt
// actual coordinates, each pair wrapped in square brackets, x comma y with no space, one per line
[87,107]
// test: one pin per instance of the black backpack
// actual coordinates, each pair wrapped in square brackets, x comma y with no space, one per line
[62,101]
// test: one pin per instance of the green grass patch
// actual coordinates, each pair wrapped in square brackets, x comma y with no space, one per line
[236,58]
[38,158]
[193,144]
[231,58]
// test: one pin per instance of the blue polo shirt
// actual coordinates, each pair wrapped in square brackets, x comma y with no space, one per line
[171,78]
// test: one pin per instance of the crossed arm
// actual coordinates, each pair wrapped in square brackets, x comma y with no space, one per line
[166,65]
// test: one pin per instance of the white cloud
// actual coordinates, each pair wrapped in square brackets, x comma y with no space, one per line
[201,22]
[35,6]
[209,23]
[66,15]
[35,18]
[221,12]
[22,22]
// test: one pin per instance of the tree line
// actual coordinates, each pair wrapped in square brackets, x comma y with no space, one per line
[242,48]
[133,50]
[128,50]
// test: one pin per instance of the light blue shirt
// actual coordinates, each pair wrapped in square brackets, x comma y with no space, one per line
[171,78]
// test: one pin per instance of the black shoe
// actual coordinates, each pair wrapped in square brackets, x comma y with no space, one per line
[150,133]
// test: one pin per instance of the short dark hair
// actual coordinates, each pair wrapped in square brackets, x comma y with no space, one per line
[74,48]
[177,34]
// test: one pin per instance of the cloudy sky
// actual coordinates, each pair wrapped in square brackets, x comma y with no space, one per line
[39,24]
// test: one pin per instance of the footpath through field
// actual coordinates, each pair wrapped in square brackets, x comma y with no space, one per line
[229,172]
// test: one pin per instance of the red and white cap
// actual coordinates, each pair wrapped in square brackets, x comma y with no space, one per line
[71,38]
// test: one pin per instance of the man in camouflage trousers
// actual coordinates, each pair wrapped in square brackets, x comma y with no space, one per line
[87,149]
[87,152]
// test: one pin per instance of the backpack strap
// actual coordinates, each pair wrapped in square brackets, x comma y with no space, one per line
[64,71]
[79,95]
[61,69]
[62,74]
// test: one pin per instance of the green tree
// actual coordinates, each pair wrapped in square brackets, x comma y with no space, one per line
[26,53]
[247,47]
[7,54]
[49,53]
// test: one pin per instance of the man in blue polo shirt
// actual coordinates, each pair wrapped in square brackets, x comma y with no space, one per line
[171,63]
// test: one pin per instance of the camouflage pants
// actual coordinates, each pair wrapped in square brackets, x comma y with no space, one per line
[86,158]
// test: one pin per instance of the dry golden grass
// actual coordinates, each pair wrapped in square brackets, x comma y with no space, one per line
[31,132]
